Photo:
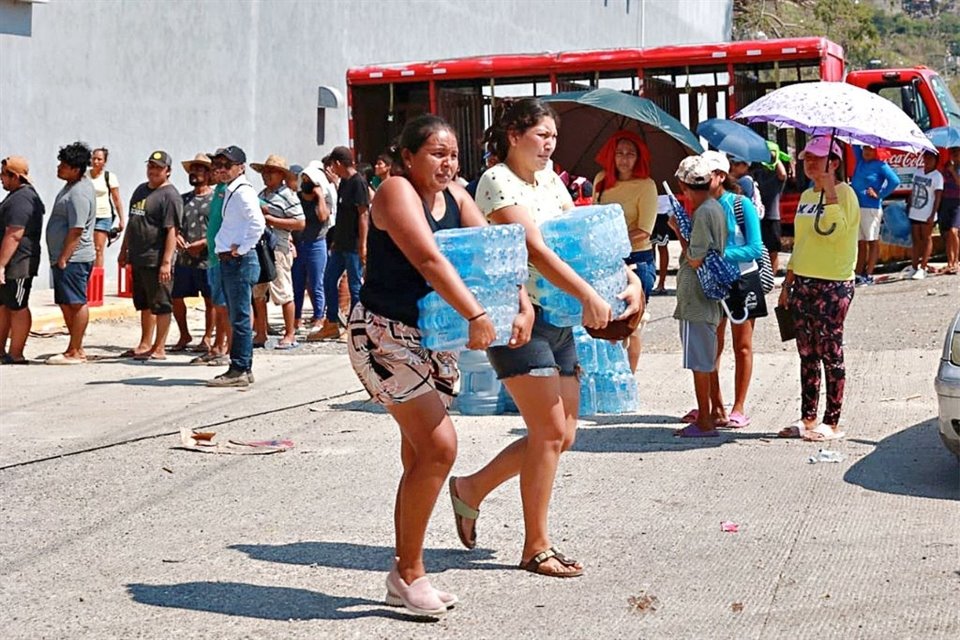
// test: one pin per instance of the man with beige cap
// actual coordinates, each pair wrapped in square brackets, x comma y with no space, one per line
[283,214]
[21,220]
[190,275]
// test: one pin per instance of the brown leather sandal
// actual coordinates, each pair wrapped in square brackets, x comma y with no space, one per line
[461,511]
[533,565]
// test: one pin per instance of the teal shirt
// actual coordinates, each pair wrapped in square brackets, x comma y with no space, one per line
[741,247]
[214,222]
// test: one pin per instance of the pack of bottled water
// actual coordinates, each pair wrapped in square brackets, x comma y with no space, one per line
[607,384]
[492,262]
[593,240]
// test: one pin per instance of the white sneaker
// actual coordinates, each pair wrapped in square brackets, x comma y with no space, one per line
[908,271]
[919,274]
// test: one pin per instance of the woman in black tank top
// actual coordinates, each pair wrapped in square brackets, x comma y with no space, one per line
[413,383]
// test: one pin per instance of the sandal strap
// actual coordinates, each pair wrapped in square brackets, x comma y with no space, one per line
[534,563]
[464,510]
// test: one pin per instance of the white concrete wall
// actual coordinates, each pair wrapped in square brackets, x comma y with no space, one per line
[192,75]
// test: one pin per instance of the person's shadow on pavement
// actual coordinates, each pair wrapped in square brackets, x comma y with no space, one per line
[363,557]
[647,439]
[259,601]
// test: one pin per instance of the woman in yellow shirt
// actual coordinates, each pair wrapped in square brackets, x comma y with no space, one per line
[625,180]
[818,287]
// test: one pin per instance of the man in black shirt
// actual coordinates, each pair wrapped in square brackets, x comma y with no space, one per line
[349,239]
[156,209]
[21,221]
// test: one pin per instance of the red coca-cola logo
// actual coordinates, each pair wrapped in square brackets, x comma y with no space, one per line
[905,160]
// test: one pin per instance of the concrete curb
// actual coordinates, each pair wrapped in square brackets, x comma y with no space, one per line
[50,318]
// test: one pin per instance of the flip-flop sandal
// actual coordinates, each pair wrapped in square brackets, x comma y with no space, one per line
[691,416]
[823,433]
[200,348]
[795,430]
[129,353]
[178,348]
[144,357]
[461,511]
[737,420]
[281,346]
[693,431]
[535,564]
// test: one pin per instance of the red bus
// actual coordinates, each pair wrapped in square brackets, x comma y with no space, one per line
[691,82]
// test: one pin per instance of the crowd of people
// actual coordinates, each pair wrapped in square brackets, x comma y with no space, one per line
[310,228]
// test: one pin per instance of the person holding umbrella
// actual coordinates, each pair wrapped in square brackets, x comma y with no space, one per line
[543,374]
[625,180]
[818,287]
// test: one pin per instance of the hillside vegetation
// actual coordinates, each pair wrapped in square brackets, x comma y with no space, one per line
[878,33]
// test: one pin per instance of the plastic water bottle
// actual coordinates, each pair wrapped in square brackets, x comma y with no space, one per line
[479,387]
[593,240]
[588,395]
[492,262]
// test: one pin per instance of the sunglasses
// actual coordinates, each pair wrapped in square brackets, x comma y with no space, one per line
[221,164]
[10,174]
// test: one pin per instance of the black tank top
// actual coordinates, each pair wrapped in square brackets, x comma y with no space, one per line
[392,285]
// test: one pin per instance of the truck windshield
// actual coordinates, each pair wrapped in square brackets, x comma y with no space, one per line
[946,100]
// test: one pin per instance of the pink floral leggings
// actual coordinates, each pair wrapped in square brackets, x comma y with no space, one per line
[819,310]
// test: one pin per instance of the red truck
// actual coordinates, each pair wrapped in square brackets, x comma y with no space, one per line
[691,82]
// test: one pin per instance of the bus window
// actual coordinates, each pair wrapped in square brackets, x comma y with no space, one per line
[691,95]
[753,81]
[946,100]
[625,81]
[907,98]
[461,103]
[380,111]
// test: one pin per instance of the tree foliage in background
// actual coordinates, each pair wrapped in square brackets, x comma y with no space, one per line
[895,33]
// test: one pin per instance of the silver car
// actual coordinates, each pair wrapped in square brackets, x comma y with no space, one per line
[947,385]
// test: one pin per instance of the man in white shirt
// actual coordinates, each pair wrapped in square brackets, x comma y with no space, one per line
[243,225]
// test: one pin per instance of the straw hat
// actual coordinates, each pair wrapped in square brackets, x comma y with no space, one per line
[273,161]
[200,158]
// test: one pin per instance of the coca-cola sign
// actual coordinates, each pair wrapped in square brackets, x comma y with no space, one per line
[905,160]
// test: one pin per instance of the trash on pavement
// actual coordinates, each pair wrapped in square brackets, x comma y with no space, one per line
[643,602]
[205,442]
[729,527]
[736,607]
[825,455]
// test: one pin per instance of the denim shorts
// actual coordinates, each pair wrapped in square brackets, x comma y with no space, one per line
[642,263]
[216,284]
[550,349]
[70,284]
[103,224]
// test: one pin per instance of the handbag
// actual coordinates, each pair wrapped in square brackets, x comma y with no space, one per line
[766,267]
[617,329]
[716,275]
[785,323]
[268,262]
[746,298]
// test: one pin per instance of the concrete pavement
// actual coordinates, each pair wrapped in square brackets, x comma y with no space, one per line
[145,540]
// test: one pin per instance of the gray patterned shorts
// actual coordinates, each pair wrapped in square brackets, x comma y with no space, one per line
[392,365]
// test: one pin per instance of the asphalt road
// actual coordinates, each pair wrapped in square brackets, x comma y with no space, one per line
[110,531]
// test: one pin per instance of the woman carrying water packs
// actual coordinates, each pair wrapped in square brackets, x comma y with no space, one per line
[543,375]
[413,383]
[744,247]
[818,288]
[625,180]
